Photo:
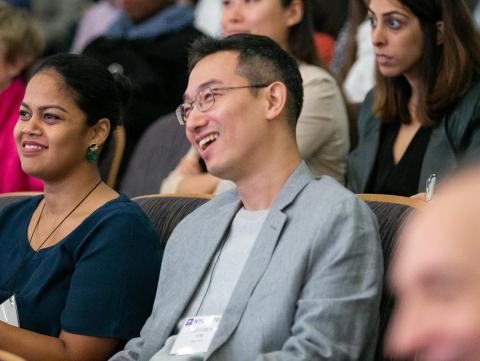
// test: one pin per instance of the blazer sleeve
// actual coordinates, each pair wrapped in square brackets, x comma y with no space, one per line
[337,311]
[464,127]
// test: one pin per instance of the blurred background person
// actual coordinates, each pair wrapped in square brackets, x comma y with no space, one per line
[21,43]
[328,19]
[148,43]
[471,4]
[353,63]
[423,116]
[207,17]
[71,259]
[322,129]
[96,20]
[25,4]
[357,71]
[436,278]
[58,20]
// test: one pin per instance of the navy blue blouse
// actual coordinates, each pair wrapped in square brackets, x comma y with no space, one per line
[100,280]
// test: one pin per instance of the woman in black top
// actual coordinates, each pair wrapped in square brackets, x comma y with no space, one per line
[422,116]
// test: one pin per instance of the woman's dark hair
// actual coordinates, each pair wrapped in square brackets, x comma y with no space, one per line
[300,38]
[97,92]
[448,69]
[329,16]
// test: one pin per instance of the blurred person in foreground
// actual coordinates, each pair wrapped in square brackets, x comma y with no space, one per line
[21,44]
[436,277]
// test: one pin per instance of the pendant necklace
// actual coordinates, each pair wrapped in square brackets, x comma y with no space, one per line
[9,307]
[35,251]
[61,222]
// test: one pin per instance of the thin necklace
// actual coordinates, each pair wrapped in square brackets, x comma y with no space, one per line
[61,222]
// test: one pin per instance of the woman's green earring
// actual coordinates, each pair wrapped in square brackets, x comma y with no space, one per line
[92,153]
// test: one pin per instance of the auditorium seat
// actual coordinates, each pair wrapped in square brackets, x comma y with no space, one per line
[157,153]
[111,156]
[166,211]
[391,212]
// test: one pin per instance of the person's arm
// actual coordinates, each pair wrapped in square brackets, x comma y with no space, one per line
[198,183]
[187,177]
[338,308]
[37,347]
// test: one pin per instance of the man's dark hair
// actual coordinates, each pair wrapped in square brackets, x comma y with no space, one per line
[260,60]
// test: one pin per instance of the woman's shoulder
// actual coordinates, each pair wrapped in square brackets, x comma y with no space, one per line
[473,94]
[467,108]
[121,209]
[23,207]
[311,73]
[115,224]
[15,217]
[319,84]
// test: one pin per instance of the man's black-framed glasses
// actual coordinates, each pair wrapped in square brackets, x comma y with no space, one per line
[205,100]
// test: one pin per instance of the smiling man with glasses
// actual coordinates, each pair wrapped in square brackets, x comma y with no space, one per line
[284,267]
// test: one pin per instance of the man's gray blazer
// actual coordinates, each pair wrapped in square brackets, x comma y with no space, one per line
[310,289]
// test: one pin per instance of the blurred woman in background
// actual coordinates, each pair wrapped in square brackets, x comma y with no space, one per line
[21,44]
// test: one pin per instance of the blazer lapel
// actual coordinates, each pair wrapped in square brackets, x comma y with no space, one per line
[369,152]
[260,256]
[185,271]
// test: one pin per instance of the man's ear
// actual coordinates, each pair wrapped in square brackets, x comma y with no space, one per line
[440,32]
[276,94]
[294,13]
[99,132]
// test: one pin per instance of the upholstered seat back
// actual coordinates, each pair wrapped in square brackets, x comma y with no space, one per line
[166,212]
[157,153]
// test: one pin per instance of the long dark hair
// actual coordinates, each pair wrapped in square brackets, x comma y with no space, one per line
[448,69]
[300,38]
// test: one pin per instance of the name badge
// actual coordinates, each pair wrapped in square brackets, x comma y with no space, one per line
[8,312]
[196,335]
